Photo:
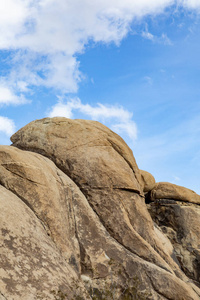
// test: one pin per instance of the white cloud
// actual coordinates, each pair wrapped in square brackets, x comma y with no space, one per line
[119,119]
[191,4]
[147,35]
[8,97]
[46,35]
[128,127]
[61,110]
[7,126]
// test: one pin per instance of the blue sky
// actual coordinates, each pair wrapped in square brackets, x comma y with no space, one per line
[132,65]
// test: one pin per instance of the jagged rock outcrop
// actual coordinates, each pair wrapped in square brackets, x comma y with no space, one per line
[75,223]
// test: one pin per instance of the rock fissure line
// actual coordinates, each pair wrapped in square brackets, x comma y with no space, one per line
[45,226]
[3,296]
[156,290]
[53,158]
[170,201]
[122,245]
[76,231]
[101,221]
[26,178]
[118,242]
[74,216]
[113,188]
[130,190]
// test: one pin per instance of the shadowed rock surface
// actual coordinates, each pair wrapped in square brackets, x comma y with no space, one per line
[176,210]
[180,222]
[75,224]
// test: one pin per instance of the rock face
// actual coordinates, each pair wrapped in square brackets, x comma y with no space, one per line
[148,180]
[176,210]
[31,265]
[181,224]
[75,224]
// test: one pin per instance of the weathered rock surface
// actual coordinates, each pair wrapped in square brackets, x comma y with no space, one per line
[103,166]
[148,180]
[81,226]
[39,184]
[176,210]
[31,266]
[165,190]
[80,148]
[181,223]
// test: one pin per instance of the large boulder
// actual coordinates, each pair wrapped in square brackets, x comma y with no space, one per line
[88,151]
[149,181]
[166,190]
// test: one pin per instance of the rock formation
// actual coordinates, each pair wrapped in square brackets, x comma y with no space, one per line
[148,181]
[177,212]
[75,225]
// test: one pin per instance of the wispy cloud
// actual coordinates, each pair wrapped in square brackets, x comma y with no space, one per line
[163,39]
[117,117]
[8,97]
[147,35]
[174,151]
[148,80]
[7,126]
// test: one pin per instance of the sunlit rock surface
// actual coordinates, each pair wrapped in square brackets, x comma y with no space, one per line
[75,225]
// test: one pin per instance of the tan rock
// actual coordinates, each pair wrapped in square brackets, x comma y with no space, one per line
[103,166]
[35,254]
[165,190]
[100,249]
[61,207]
[37,181]
[148,181]
[90,152]
[181,224]
[106,236]
[31,266]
